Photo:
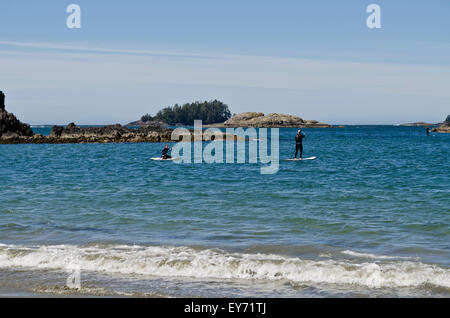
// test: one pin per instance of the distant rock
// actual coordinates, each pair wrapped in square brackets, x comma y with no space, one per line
[274,120]
[243,117]
[73,134]
[445,127]
[418,124]
[112,133]
[140,123]
[10,126]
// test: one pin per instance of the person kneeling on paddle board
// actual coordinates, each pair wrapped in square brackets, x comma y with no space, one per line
[165,152]
[299,143]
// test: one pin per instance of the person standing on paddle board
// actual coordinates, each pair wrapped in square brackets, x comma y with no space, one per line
[299,143]
[165,152]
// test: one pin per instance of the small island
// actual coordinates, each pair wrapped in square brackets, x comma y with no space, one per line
[274,120]
[217,114]
[209,112]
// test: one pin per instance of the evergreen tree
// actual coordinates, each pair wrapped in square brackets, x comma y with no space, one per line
[209,112]
[146,118]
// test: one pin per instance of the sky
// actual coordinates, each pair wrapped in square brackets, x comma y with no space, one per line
[314,59]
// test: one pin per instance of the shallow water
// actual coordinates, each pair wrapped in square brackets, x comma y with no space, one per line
[369,217]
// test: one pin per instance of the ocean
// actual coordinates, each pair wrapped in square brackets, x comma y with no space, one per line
[369,218]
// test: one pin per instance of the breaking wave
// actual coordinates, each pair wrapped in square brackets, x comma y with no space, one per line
[164,261]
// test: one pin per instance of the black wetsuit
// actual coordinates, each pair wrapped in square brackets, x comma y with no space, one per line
[428,131]
[164,153]
[299,144]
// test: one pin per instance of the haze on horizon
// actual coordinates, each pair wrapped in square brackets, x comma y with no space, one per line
[317,60]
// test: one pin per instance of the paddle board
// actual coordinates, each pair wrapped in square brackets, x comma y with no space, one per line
[161,159]
[303,159]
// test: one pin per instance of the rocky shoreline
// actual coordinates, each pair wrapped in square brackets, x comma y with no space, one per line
[108,134]
[274,120]
[73,134]
[12,131]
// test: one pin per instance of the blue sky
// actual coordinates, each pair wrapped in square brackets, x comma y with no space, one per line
[315,59]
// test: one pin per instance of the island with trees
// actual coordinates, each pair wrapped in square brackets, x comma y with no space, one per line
[217,114]
[209,112]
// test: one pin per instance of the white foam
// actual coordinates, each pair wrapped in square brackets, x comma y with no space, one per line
[373,256]
[216,264]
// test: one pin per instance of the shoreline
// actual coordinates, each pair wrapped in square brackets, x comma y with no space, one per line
[108,134]
[73,134]
[118,271]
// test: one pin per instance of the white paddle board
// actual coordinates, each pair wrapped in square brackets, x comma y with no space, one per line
[303,159]
[161,159]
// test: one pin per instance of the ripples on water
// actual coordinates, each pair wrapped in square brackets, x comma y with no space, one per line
[369,217]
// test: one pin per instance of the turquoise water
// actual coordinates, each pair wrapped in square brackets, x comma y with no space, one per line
[369,217]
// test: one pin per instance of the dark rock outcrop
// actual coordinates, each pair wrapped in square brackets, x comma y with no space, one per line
[112,133]
[10,126]
[445,127]
[73,134]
